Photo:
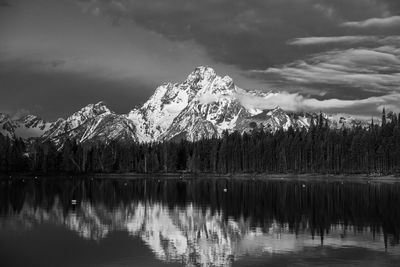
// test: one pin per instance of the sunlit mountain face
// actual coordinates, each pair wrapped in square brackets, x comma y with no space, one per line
[210,222]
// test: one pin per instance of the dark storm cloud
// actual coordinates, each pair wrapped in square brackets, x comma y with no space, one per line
[50,48]
[393,5]
[250,34]
[4,4]
[61,93]
[236,32]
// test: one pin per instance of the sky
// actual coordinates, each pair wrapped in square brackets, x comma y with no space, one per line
[57,56]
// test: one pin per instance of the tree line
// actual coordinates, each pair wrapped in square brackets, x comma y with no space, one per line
[319,149]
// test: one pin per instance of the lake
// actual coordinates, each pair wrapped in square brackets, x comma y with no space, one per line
[198,222]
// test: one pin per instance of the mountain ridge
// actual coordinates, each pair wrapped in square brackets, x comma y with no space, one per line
[204,105]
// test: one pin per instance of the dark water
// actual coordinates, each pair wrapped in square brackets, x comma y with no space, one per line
[213,222]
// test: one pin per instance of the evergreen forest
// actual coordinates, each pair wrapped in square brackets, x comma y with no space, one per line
[320,149]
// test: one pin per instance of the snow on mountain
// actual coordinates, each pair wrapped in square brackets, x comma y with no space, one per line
[169,100]
[7,126]
[202,106]
[347,121]
[217,107]
[26,127]
[94,122]
[157,114]
[273,120]
[212,110]
[77,124]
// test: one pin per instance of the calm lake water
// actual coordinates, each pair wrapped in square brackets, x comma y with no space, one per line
[210,222]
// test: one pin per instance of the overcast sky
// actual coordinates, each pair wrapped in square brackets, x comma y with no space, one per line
[332,55]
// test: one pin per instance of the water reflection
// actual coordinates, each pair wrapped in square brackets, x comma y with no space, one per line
[197,222]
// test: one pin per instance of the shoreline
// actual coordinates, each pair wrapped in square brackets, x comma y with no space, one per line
[310,177]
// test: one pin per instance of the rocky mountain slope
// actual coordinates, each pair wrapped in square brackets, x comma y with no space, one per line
[202,106]
[94,122]
[26,127]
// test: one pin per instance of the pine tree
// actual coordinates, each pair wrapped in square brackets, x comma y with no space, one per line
[383,118]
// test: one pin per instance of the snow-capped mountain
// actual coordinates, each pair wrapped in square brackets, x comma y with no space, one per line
[26,127]
[201,106]
[94,122]
[204,105]
[272,120]
[212,110]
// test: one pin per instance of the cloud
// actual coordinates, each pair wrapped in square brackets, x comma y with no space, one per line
[61,58]
[375,70]
[296,102]
[209,98]
[393,21]
[20,113]
[248,34]
[355,10]
[4,3]
[352,39]
[91,47]
[57,62]
[74,48]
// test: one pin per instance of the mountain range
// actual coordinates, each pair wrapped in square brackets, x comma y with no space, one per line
[202,106]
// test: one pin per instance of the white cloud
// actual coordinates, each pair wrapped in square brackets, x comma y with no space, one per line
[374,22]
[375,70]
[351,39]
[297,102]
[332,39]
[209,98]
[328,11]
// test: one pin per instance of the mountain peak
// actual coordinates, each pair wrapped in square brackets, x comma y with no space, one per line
[95,109]
[278,109]
[89,112]
[99,105]
[205,70]
[202,73]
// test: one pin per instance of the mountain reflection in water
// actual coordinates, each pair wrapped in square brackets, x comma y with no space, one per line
[197,222]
